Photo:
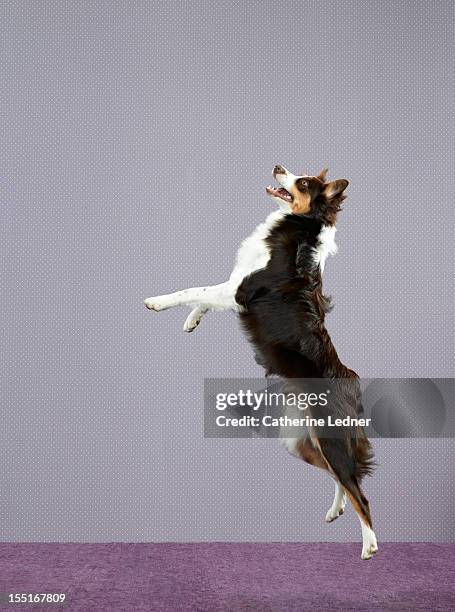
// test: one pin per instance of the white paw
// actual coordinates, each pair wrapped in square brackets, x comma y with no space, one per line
[155,303]
[191,324]
[333,514]
[335,511]
[370,547]
[368,551]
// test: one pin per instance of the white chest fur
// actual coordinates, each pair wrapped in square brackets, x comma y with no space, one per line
[254,254]
[326,245]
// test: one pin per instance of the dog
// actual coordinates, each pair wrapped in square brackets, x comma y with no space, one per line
[276,289]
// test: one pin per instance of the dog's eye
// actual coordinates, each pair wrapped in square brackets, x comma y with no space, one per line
[304,183]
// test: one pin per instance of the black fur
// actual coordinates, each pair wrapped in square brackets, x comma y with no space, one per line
[283,316]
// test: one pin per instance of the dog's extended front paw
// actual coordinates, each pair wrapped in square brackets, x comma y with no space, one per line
[190,326]
[192,321]
[155,303]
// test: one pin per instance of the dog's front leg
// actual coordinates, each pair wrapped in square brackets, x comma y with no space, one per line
[194,318]
[179,298]
[215,297]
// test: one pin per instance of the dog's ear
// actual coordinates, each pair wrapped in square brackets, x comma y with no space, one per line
[335,188]
[321,176]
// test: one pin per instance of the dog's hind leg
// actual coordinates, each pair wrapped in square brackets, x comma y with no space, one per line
[304,449]
[311,454]
[361,506]
[338,504]
[342,464]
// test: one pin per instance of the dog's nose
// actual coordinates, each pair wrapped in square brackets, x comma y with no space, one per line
[278,170]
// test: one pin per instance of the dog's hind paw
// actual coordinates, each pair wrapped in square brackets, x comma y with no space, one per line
[370,543]
[333,514]
[336,509]
[369,551]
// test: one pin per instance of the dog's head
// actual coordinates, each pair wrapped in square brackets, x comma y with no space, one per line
[308,195]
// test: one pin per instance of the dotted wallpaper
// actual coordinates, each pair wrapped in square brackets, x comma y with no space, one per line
[137,139]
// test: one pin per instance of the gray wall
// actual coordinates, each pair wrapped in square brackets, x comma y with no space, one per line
[137,139]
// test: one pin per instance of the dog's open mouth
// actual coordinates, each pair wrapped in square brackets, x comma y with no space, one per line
[279,192]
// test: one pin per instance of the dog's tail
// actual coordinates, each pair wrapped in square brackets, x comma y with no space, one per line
[351,450]
[348,457]
[361,447]
[364,462]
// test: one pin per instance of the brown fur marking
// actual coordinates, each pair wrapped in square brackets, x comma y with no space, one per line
[311,454]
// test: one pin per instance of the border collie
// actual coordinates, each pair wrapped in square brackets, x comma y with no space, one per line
[276,288]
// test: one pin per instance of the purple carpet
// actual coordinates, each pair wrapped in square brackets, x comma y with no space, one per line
[266,577]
